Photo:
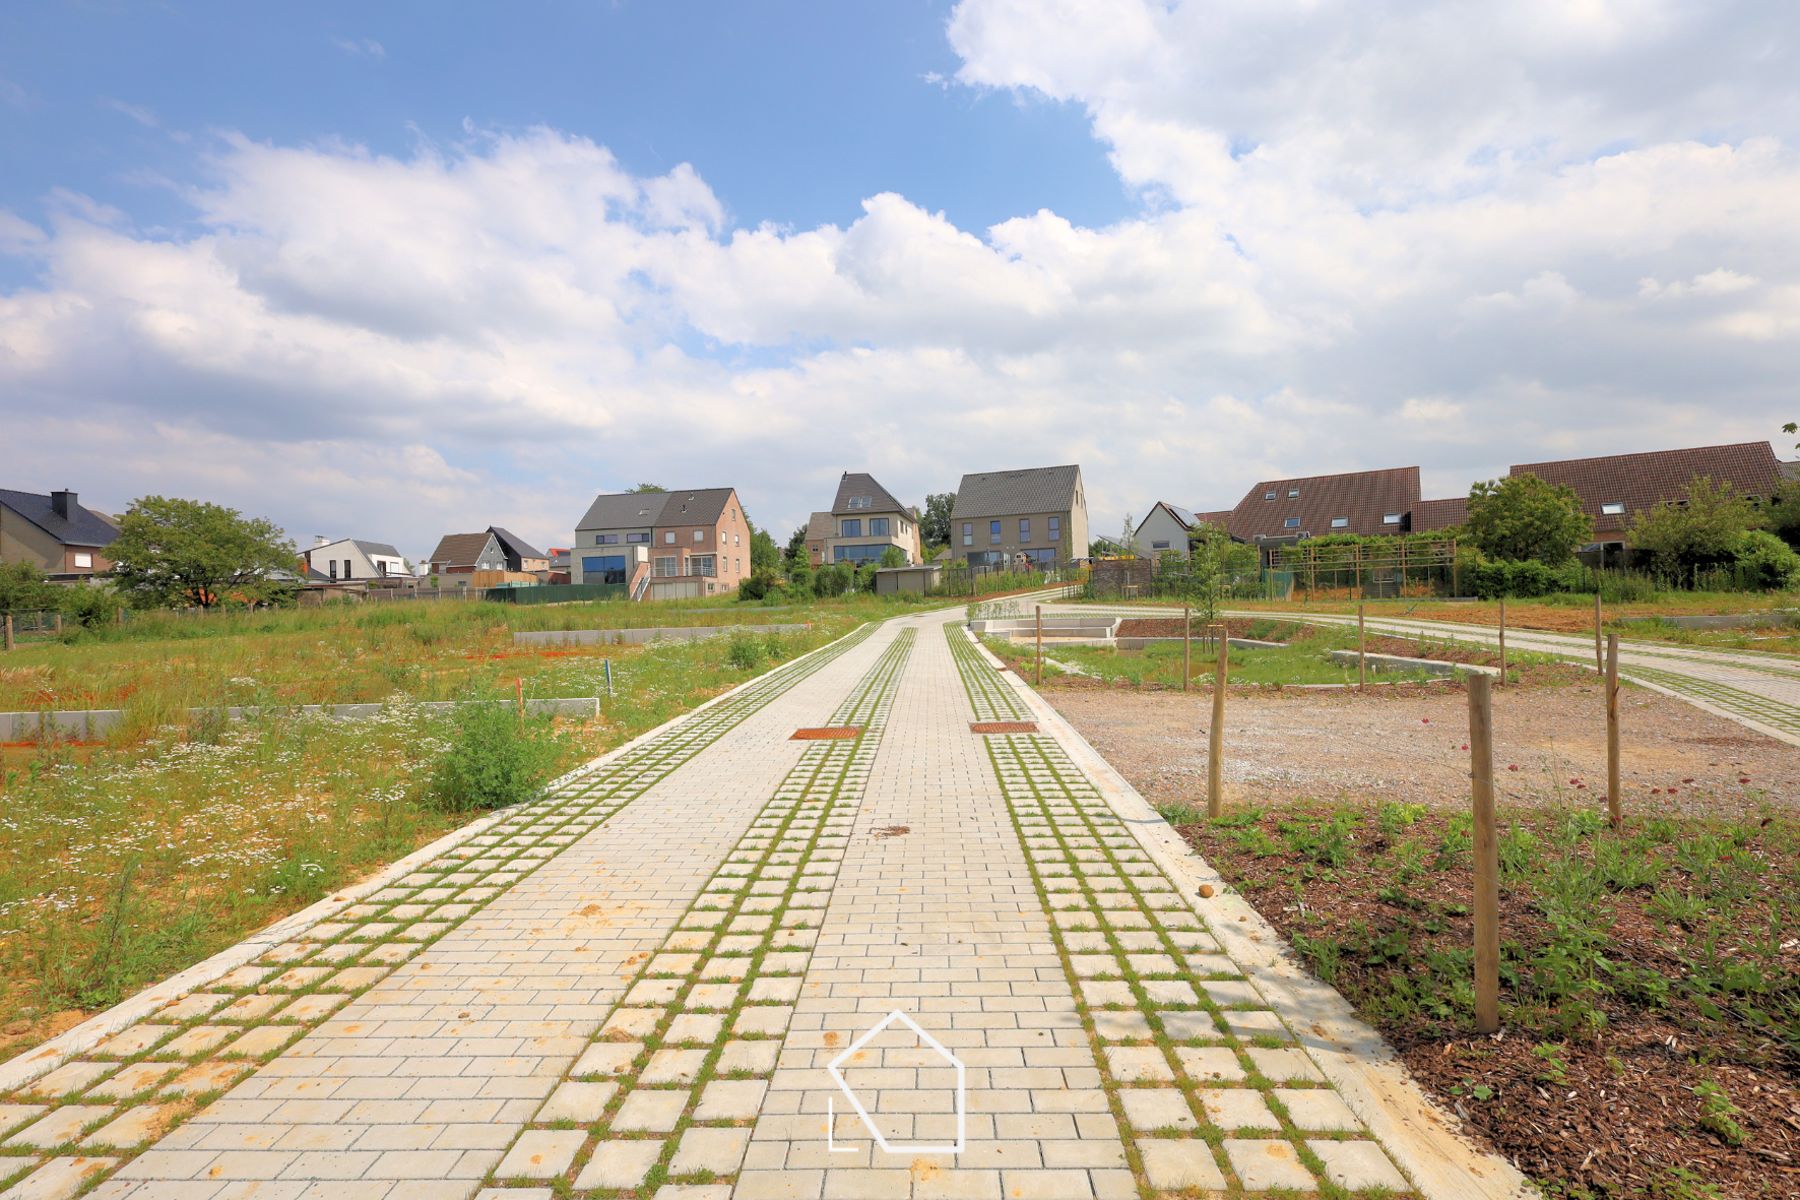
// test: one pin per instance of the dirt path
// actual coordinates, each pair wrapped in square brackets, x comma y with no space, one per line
[1407,744]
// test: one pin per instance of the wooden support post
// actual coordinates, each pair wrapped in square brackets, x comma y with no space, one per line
[1215,739]
[1615,810]
[1357,561]
[57,623]
[1187,645]
[1599,654]
[1503,641]
[1040,645]
[608,663]
[519,697]
[1362,653]
[1487,855]
[9,632]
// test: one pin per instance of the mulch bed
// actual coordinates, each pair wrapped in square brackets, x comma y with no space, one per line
[1606,1113]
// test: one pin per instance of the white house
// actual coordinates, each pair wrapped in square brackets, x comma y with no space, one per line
[351,558]
[1164,528]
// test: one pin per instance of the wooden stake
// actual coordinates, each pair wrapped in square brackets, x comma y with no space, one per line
[1362,655]
[1187,646]
[1614,802]
[519,695]
[1039,644]
[1215,740]
[608,664]
[1503,641]
[1599,654]
[1487,855]
[9,633]
[58,624]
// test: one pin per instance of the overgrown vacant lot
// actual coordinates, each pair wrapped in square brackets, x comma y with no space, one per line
[125,861]
[1650,978]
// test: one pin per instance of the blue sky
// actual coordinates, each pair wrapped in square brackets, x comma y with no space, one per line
[389,271]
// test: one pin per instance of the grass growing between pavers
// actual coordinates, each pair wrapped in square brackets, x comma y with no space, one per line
[1650,979]
[336,961]
[125,868]
[676,1076]
[1208,1081]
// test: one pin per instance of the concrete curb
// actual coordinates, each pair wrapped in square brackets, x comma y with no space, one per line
[95,722]
[1426,1141]
[638,637]
[40,1060]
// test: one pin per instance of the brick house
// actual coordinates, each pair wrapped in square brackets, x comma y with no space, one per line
[664,545]
[55,533]
[1033,518]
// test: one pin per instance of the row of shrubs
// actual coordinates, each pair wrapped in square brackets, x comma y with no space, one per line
[1763,563]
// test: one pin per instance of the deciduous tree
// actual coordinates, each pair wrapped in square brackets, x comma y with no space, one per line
[934,524]
[1705,531]
[189,552]
[1525,517]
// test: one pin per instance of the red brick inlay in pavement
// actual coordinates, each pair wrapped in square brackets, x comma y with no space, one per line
[826,733]
[1003,727]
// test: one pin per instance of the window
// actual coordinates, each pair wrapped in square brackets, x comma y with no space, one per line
[861,501]
[968,533]
[1039,559]
[1291,523]
[665,567]
[1340,522]
[857,554]
[878,526]
[1024,529]
[603,568]
[1159,545]
[1613,508]
[737,539]
[993,533]
[333,565]
[606,539]
[637,537]
[699,535]
[669,538]
[84,560]
[703,564]
[1269,495]
[1293,493]
[348,572]
[850,527]
[1056,529]
[1390,518]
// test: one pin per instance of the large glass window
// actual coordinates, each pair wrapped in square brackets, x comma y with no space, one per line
[1042,559]
[857,554]
[702,564]
[666,567]
[878,526]
[606,539]
[850,528]
[637,537]
[603,568]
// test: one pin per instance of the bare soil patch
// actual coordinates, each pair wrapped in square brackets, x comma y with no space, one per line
[1407,743]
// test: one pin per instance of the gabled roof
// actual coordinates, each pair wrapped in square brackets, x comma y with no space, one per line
[1641,481]
[1363,498]
[513,544]
[1428,515]
[461,549]
[646,510]
[820,526]
[1181,515]
[381,548]
[82,527]
[858,493]
[1010,493]
[1220,519]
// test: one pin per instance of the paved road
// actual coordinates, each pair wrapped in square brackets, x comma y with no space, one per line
[1761,691]
[642,984]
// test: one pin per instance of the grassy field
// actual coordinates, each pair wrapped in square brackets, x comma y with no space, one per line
[125,861]
[1650,978]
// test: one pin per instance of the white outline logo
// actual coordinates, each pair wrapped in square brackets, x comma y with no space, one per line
[834,1069]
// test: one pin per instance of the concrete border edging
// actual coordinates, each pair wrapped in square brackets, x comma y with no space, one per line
[93,722]
[638,637]
[1427,1142]
[46,1057]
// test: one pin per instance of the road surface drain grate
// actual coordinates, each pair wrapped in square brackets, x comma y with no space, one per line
[826,733]
[1003,727]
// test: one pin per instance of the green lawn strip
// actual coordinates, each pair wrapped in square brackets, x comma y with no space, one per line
[814,804]
[507,852]
[1760,708]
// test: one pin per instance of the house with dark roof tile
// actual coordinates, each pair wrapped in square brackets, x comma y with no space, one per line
[864,521]
[54,533]
[664,545]
[1035,517]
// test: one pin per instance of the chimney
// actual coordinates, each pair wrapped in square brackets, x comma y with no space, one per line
[64,504]
[320,539]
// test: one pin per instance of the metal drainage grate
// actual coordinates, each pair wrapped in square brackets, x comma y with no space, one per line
[1003,727]
[826,733]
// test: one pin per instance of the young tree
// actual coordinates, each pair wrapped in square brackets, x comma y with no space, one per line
[765,555]
[172,551]
[1707,531]
[1214,562]
[893,556]
[796,550]
[1525,517]
[24,589]
[645,487]
[934,524]
[1128,546]
[1782,516]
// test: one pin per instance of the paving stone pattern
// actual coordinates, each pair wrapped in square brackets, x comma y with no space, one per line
[633,987]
